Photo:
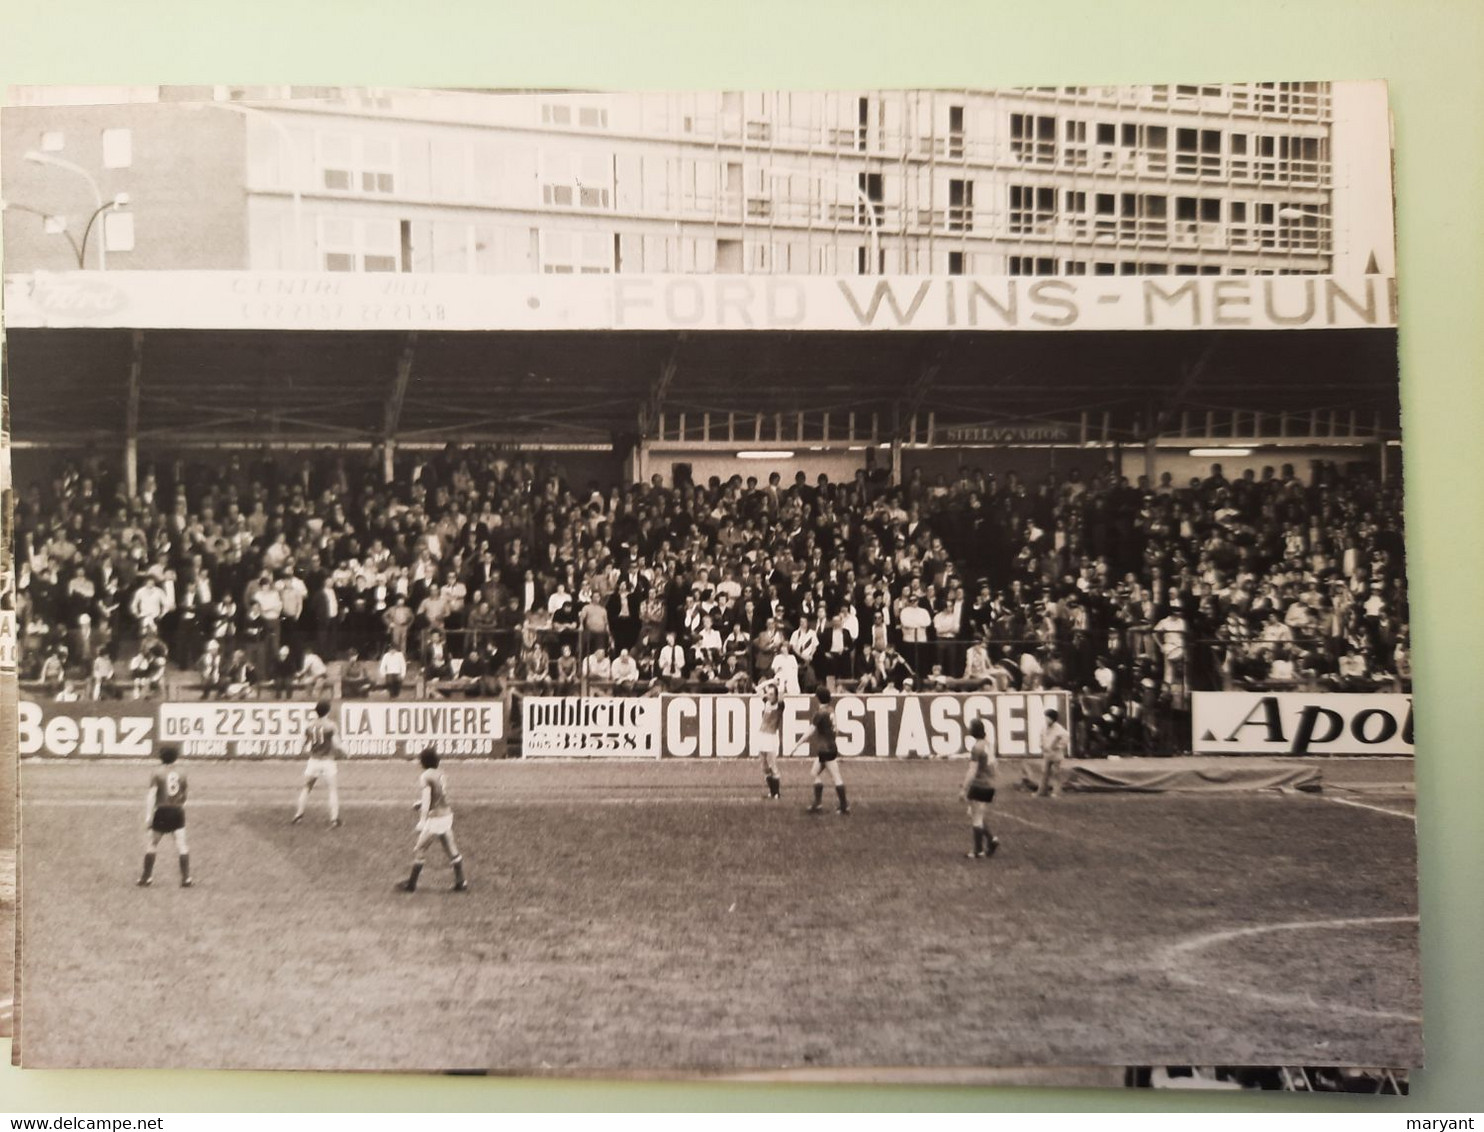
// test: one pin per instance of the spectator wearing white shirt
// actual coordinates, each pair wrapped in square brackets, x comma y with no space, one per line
[393,670]
[786,670]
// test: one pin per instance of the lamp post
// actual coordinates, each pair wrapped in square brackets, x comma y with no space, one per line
[119,200]
[287,138]
[52,224]
[38,158]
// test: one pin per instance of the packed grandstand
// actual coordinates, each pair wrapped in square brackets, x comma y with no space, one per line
[483,572]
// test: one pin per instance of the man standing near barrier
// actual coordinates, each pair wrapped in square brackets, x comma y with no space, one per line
[1056,742]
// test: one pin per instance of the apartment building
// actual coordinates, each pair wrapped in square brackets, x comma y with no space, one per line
[1173,179]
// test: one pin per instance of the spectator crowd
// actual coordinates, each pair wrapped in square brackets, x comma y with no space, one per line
[477,571]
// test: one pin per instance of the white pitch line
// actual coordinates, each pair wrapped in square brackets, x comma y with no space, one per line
[1368,806]
[1173,958]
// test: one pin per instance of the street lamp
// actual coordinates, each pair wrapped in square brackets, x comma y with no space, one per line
[52,224]
[287,138]
[39,158]
[119,201]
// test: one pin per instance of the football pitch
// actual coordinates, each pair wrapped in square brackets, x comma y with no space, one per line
[663,916]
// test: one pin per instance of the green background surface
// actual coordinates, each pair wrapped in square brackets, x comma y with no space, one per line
[1431,51]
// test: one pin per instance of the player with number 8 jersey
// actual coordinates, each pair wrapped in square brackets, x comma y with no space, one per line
[165,813]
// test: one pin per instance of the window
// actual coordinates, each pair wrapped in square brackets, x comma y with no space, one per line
[336,156]
[955,131]
[450,169]
[118,231]
[1074,267]
[955,263]
[592,117]
[960,206]
[359,245]
[1106,133]
[576,253]
[863,259]
[1103,269]
[1032,265]
[1106,223]
[53,141]
[873,187]
[556,115]
[1074,152]
[862,123]
[1187,161]
[353,164]
[576,180]
[1074,200]
[1143,216]
[1210,210]
[1033,138]
[118,148]
[1032,210]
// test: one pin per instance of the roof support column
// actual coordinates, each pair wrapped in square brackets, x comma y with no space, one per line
[131,415]
[393,413]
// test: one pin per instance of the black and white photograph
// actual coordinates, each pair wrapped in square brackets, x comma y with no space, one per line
[792,585]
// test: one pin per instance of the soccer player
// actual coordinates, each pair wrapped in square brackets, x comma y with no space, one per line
[1055,743]
[321,740]
[826,754]
[770,737]
[165,813]
[435,820]
[978,789]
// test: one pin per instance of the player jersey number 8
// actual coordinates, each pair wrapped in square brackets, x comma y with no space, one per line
[172,785]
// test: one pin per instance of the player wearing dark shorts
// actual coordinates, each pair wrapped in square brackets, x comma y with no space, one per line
[826,754]
[165,814]
[978,788]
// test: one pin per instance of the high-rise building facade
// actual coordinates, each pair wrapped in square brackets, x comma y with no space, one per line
[1229,179]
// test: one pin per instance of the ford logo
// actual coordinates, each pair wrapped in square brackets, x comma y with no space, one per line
[77,296]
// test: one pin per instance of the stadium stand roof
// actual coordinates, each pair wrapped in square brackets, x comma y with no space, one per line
[71,386]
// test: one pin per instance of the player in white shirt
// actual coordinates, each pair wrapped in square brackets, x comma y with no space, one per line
[321,740]
[434,823]
[770,737]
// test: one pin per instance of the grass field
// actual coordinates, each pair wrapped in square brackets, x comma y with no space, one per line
[662,915]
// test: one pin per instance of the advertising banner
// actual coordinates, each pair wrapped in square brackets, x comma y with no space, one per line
[391,727]
[1302,723]
[905,726]
[230,730]
[246,300]
[267,729]
[109,729]
[590,727]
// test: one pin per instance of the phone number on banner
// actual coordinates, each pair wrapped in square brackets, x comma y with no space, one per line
[264,730]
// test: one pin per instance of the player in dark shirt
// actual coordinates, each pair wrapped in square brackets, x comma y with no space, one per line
[826,754]
[978,789]
[165,813]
